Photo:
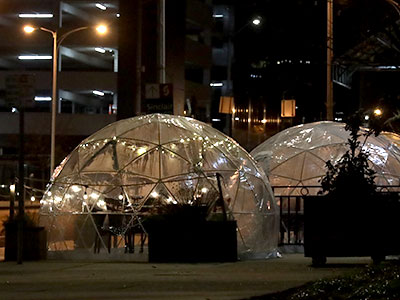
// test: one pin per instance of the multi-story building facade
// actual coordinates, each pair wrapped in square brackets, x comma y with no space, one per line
[98,76]
[222,55]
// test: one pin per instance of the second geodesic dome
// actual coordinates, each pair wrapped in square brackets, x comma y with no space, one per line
[135,164]
[296,156]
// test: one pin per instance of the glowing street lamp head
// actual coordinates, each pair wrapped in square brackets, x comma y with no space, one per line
[101,29]
[378,112]
[256,21]
[12,188]
[29,29]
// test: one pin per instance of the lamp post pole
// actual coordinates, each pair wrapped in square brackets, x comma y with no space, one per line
[53,103]
[54,98]
[329,57]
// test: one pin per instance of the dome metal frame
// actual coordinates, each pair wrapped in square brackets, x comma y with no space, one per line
[295,158]
[132,166]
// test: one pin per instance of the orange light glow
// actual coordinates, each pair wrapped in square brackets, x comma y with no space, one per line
[29,29]
[102,29]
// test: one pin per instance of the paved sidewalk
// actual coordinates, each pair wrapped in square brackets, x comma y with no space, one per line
[125,280]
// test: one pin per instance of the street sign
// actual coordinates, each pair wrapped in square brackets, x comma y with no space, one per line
[159,106]
[159,98]
[152,91]
[20,90]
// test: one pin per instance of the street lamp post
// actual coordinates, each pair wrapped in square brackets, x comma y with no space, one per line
[101,29]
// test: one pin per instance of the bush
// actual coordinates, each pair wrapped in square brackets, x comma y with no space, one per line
[352,173]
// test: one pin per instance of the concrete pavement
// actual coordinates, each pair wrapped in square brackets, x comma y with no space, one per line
[126,280]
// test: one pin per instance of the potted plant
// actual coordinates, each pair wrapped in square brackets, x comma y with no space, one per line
[351,218]
[34,238]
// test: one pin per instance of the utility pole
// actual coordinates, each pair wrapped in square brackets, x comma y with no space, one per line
[329,58]
[128,66]
[20,186]
[161,41]
[138,100]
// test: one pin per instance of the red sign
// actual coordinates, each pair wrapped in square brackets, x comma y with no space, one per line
[166,91]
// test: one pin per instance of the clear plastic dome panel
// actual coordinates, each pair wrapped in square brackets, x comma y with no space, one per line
[70,165]
[147,164]
[145,132]
[173,165]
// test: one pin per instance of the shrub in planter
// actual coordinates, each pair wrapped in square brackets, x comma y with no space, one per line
[34,239]
[350,219]
[351,174]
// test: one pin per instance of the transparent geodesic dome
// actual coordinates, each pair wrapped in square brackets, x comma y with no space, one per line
[296,157]
[118,175]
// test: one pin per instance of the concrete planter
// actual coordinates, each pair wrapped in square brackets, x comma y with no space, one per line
[351,227]
[197,241]
[34,243]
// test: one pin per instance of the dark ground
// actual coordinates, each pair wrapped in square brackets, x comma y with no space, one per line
[134,280]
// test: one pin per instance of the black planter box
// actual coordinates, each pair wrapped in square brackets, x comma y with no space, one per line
[351,226]
[201,241]
[34,243]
